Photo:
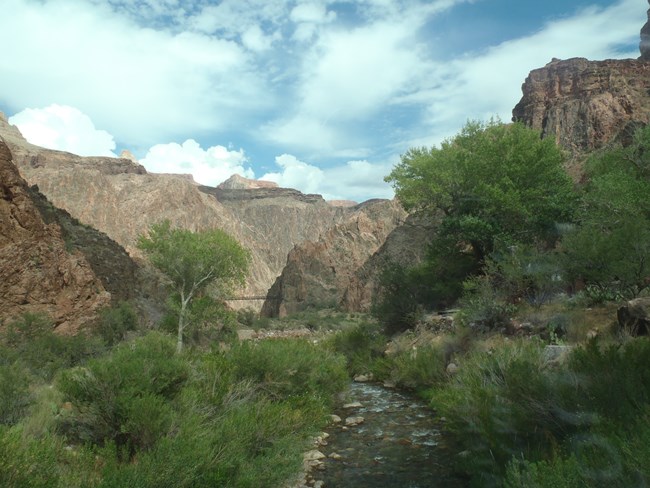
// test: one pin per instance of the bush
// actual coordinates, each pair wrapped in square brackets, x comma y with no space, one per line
[114,323]
[15,396]
[418,369]
[32,340]
[511,404]
[285,368]
[124,397]
[361,346]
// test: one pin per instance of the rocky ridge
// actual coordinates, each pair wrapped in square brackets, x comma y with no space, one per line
[586,105]
[318,272]
[120,198]
[39,273]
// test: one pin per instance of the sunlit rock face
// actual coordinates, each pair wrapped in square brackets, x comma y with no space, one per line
[586,105]
[120,198]
[38,273]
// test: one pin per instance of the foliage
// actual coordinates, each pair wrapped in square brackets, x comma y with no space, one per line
[31,340]
[361,345]
[193,262]
[116,322]
[490,182]
[610,249]
[15,396]
[285,368]
[510,403]
[124,397]
[494,187]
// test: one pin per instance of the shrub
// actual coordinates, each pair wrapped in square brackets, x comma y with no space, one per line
[32,339]
[124,397]
[114,323]
[15,396]
[285,368]
[418,369]
[361,346]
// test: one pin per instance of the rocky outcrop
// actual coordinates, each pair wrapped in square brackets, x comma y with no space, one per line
[237,182]
[39,271]
[634,317]
[318,272]
[644,46]
[586,105]
[406,245]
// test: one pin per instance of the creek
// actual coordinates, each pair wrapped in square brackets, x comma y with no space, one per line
[398,444]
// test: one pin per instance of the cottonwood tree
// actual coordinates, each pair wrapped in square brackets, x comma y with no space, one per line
[194,262]
[492,186]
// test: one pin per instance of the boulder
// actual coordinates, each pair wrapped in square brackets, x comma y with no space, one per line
[634,316]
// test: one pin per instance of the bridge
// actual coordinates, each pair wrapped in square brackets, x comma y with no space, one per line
[252,297]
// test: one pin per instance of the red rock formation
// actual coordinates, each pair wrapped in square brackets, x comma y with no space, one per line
[37,273]
[584,104]
[318,272]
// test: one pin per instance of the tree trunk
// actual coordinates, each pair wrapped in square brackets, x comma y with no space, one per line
[181,326]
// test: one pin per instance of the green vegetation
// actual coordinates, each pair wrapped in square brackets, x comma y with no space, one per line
[140,415]
[194,262]
[493,186]
[521,251]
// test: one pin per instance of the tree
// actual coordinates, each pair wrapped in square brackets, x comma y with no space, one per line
[492,186]
[610,248]
[491,182]
[194,262]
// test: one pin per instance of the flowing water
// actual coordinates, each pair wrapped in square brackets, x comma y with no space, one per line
[398,445]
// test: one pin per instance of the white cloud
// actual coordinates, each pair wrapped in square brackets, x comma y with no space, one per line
[208,166]
[354,180]
[488,83]
[63,128]
[312,12]
[142,84]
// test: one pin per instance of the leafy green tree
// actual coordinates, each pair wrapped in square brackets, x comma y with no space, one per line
[194,262]
[610,248]
[490,182]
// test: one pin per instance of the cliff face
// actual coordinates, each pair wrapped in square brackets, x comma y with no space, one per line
[119,198]
[406,245]
[318,272]
[585,104]
[38,274]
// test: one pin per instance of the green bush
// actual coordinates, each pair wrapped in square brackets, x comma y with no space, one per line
[124,397]
[32,340]
[115,323]
[15,396]
[511,404]
[418,369]
[284,368]
[361,345]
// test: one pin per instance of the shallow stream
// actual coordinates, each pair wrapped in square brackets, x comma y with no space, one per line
[398,444]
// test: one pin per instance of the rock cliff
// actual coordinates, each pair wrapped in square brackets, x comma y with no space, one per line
[40,272]
[118,197]
[318,272]
[586,105]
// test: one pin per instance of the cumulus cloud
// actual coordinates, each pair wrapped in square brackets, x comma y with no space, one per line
[63,128]
[208,166]
[142,84]
[354,180]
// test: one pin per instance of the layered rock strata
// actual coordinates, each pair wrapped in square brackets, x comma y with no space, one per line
[586,105]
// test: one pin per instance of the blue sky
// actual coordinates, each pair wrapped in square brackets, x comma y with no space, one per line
[318,95]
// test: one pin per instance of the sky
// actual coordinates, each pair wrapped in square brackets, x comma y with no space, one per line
[318,95]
